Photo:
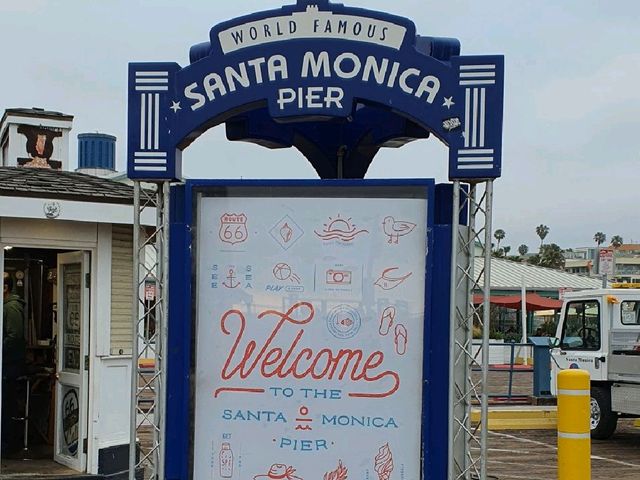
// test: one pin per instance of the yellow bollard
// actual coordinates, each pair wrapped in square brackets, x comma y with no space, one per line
[574,429]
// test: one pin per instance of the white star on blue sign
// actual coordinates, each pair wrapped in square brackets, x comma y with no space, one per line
[175,106]
[448,102]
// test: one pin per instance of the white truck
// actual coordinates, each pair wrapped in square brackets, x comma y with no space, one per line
[599,331]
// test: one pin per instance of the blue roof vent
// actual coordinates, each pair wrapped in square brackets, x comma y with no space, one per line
[96,150]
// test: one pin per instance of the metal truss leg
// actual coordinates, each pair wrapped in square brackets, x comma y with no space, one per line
[148,392]
[468,442]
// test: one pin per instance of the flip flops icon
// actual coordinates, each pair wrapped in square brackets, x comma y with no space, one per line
[386,320]
[400,339]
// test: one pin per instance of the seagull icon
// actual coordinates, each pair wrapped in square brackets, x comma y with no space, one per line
[395,229]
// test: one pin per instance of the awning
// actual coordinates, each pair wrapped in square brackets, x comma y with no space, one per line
[534,302]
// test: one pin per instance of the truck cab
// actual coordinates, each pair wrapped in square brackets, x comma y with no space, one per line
[599,331]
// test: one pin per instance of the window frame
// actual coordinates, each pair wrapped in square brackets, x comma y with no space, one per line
[582,347]
[637,317]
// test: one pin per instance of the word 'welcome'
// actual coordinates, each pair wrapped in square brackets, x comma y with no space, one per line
[301,363]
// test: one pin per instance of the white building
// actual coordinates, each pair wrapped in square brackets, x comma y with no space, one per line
[66,242]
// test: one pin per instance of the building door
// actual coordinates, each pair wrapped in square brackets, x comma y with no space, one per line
[72,360]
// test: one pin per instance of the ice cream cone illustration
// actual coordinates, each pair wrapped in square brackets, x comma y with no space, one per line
[401,338]
[386,320]
[384,462]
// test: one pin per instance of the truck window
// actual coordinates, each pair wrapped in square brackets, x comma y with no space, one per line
[629,311]
[581,328]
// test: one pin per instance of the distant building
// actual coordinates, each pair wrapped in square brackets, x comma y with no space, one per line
[581,253]
[584,261]
[626,260]
[541,284]
[578,266]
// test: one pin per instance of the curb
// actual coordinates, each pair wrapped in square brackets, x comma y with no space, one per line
[519,418]
[523,418]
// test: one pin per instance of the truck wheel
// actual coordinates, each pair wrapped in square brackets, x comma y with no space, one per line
[603,420]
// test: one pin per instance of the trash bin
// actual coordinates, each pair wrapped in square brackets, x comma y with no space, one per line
[541,366]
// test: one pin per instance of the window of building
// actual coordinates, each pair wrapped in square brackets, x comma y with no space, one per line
[581,329]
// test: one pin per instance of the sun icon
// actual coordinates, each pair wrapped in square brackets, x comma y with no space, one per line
[339,229]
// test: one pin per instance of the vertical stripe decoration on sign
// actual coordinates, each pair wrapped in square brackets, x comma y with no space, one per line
[475,79]
[149,157]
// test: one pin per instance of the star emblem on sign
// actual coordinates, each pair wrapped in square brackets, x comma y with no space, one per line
[175,106]
[448,102]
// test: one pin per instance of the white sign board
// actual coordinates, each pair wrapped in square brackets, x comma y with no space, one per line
[606,262]
[310,315]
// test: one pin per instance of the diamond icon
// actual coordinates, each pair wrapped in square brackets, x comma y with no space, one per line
[286,232]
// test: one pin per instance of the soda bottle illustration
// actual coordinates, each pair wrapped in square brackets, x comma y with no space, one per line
[226,461]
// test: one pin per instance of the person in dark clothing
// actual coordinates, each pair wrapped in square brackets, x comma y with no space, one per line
[13,361]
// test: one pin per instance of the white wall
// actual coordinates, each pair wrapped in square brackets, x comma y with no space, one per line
[27,208]
[109,376]
[111,385]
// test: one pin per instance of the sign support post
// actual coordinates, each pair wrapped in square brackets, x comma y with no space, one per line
[150,263]
[464,390]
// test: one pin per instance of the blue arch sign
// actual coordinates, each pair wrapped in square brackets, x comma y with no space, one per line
[306,74]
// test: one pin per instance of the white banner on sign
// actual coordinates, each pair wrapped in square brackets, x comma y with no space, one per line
[312,24]
[309,341]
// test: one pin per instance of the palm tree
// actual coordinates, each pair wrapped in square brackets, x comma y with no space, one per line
[523,250]
[542,231]
[551,257]
[506,250]
[599,238]
[616,241]
[499,235]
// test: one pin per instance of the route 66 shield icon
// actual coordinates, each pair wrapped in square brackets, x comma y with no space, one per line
[233,228]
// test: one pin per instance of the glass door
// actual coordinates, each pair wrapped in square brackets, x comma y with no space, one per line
[72,359]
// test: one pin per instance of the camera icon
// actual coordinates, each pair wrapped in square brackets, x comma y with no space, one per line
[338,277]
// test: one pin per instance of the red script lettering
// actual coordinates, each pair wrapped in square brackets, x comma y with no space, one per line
[271,360]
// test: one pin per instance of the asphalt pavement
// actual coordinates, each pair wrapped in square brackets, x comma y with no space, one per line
[532,454]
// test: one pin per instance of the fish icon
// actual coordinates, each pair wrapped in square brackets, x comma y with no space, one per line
[347,322]
[388,281]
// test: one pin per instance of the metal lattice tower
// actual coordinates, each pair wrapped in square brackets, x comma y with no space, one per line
[150,264]
[468,442]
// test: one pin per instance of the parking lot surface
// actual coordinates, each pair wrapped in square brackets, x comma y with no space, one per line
[532,455]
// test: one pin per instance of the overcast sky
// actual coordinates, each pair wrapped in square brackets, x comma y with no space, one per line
[572,101]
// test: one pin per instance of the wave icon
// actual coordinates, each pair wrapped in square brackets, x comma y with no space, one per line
[339,229]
